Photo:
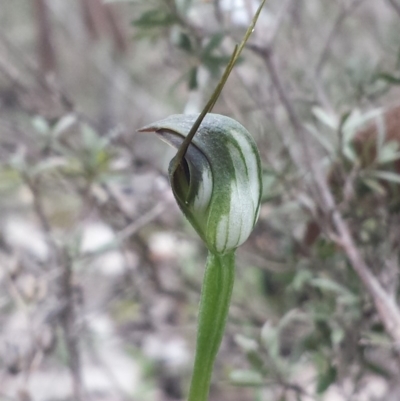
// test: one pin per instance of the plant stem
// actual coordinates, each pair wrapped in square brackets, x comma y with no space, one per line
[214,306]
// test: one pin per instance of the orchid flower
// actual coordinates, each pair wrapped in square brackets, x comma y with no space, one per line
[216,180]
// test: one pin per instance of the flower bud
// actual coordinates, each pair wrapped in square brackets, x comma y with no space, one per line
[218,182]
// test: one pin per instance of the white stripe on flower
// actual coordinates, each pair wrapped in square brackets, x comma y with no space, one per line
[204,191]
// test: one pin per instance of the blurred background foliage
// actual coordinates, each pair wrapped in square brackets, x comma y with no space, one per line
[100,274]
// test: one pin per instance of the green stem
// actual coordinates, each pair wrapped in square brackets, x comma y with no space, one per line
[214,306]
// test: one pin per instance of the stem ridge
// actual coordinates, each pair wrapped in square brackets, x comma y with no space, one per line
[213,311]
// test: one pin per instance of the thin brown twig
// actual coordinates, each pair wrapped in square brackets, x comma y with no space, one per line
[69,325]
[46,53]
[67,314]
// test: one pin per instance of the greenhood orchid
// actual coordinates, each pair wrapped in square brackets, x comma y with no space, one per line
[216,180]
[218,183]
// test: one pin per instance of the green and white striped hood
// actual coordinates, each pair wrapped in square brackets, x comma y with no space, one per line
[218,184]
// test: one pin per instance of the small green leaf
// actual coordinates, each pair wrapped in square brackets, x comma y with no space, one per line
[349,153]
[326,378]
[246,378]
[388,152]
[155,19]
[246,344]
[193,78]
[356,120]
[326,249]
[343,119]
[212,44]
[40,125]
[214,63]
[388,78]
[374,185]
[387,176]
[64,123]
[90,137]
[48,165]
[301,278]
[326,118]
[328,285]
[185,43]
[270,339]
[337,335]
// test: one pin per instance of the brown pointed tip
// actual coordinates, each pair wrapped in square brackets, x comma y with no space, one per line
[147,128]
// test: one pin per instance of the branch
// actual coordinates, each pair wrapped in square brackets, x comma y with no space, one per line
[46,52]
[67,314]
[384,304]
